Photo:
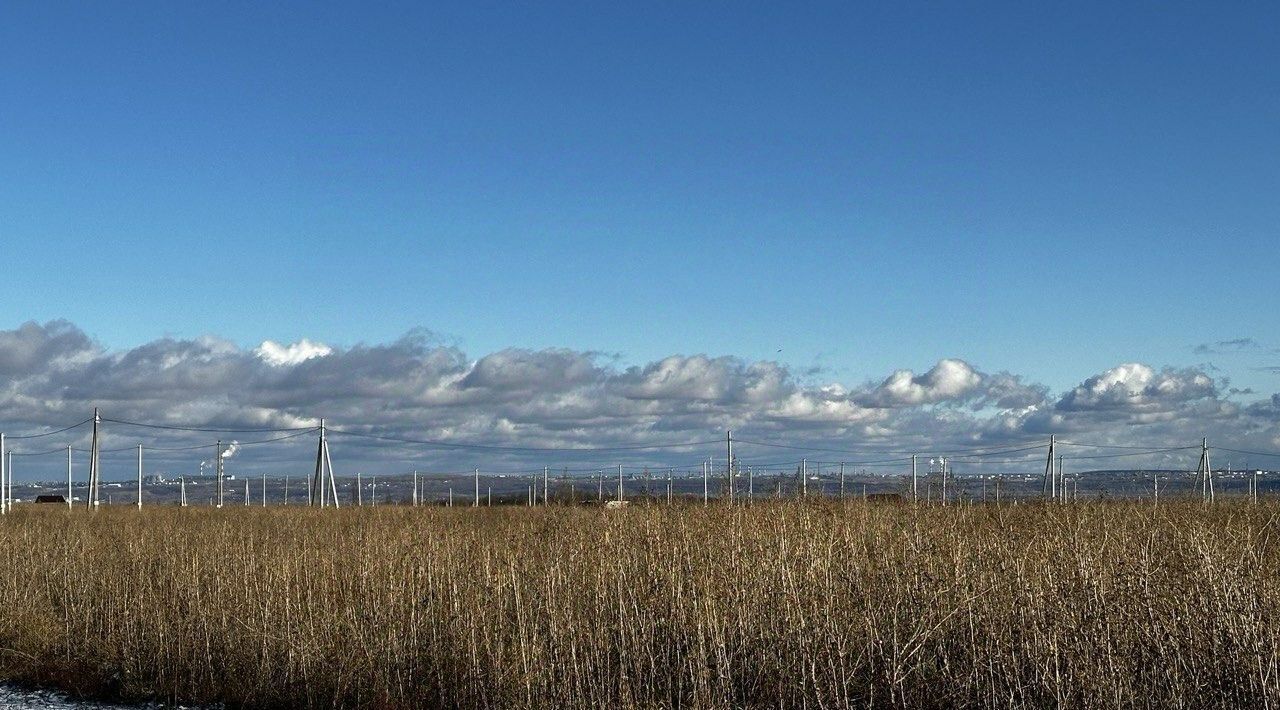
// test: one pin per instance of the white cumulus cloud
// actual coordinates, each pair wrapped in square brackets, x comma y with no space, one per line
[274,353]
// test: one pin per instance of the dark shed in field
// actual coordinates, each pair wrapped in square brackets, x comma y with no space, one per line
[51,499]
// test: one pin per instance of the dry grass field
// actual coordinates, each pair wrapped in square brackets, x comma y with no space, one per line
[779,605]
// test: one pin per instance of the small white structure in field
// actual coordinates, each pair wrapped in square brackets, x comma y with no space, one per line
[616,504]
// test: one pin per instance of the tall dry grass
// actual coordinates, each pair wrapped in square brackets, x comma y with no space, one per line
[782,605]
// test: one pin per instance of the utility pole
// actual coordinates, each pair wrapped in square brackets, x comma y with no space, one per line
[4,472]
[668,487]
[6,497]
[246,492]
[841,480]
[619,483]
[1205,472]
[1048,485]
[546,487]
[1062,481]
[944,480]
[317,494]
[264,490]
[600,486]
[728,441]
[915,481]
[139,476]
[68,476]
[477,503]
[804,478]
[217,467]
[359,490]
[91,497]
[182,492]
[704,483]
[415,489]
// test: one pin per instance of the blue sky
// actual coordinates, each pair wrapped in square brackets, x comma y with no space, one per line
[1044,190]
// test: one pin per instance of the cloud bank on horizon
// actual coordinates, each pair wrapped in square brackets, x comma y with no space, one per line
[53,374]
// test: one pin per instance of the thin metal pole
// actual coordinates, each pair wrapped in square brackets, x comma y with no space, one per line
[841,480]
[804,478]
[264,490]
[477,504]
[4,471]
[415,489]
[139,476]
[705,495]
[68,476]
[728,437]
[751,485]
[620,483]
[217,467]
[359,490]
[915,481]
[545,487]
[374,490]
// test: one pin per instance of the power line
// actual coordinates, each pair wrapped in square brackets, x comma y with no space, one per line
[176,427]
[50,433]
[524,449]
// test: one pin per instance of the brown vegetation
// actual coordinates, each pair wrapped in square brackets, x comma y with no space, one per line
[781,604]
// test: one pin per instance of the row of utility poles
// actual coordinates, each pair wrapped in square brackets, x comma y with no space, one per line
[322,487]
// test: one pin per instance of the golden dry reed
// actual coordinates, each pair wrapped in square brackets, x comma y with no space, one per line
[774,605]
